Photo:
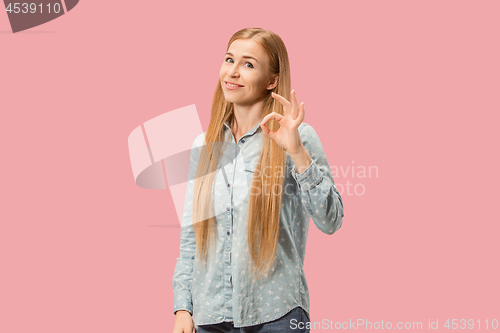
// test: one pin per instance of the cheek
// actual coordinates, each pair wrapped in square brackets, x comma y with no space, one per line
[256,82]
[223,71]
[261,83]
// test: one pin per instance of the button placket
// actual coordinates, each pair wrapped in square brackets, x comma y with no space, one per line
[227,268]
[234,198]
[229,208]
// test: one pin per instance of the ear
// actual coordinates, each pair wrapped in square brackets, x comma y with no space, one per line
[273,82]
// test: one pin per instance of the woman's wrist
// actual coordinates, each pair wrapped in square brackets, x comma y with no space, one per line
[302,160]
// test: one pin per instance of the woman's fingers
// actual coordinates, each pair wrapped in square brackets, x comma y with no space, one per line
[302,114]
[286,104]
[273,115]
[267,131]
[295,104]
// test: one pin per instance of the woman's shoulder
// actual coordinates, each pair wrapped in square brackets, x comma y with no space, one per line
[302,125]
[306,130]
[308,134]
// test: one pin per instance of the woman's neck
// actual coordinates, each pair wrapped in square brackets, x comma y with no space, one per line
[246,118]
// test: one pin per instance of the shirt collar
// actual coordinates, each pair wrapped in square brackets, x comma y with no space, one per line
[251,132]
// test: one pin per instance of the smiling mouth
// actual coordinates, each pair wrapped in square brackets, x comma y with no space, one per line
[230,85]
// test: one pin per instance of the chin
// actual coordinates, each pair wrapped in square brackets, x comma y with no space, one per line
[229,99]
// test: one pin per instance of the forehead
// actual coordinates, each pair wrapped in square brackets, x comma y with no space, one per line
[248,47]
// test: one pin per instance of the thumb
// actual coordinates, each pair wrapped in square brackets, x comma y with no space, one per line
[267,132]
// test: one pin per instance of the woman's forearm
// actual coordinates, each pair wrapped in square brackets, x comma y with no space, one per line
[301,160]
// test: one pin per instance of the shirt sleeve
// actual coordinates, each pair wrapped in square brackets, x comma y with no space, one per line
[183,273]
[317,188]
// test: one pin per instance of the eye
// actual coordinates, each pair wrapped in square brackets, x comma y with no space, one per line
[248,63]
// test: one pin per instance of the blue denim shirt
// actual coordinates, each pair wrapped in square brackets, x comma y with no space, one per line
[223,290]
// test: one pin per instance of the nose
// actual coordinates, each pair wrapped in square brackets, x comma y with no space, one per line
[233,71]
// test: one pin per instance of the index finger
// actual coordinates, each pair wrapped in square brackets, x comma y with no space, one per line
[295,104]
[286,104]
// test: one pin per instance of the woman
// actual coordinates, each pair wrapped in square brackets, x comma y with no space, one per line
[249,202]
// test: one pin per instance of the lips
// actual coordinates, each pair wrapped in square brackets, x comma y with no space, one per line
[231,87]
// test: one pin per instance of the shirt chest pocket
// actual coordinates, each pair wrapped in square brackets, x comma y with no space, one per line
[250,166]
[245,177]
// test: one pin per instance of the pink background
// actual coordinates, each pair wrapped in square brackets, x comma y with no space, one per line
[409,87]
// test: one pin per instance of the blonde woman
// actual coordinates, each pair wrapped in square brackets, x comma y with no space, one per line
[257,176]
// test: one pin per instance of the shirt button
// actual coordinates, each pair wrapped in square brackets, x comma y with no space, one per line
[228,232]
[228,185]
[242,141]
[227,208]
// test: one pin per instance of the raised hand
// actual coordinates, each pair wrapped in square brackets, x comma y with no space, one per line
[287,136]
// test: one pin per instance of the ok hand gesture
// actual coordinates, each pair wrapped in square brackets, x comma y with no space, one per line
[287,136]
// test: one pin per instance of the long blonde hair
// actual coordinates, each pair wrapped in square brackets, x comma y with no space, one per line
[264,203]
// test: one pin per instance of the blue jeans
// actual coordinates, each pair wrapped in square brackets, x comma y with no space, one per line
[284,324]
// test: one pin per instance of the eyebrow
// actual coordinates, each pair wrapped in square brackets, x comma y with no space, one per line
[248,57]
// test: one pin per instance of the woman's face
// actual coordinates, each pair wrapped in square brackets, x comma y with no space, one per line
[246,64]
